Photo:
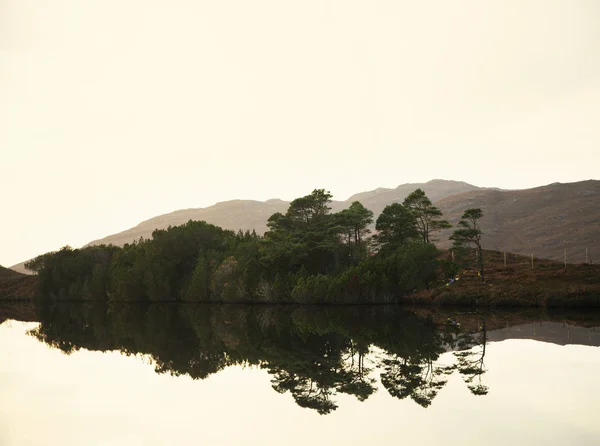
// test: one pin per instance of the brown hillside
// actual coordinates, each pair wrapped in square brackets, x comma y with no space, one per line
[15,286]
[6,273]
[543,221]
[547,283]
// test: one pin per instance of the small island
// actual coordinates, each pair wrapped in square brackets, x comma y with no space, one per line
[310,255]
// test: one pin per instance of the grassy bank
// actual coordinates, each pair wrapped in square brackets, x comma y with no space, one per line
[547,284]
[15,286]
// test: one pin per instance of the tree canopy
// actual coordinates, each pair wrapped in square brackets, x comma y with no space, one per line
[469,233]
[428,218]
[396,226]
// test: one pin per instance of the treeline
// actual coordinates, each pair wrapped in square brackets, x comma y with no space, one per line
[308,255]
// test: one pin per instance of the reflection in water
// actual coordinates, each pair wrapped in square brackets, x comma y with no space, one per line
[314,353]
[470,362]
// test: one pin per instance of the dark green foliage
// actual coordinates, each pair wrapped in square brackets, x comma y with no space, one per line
[428,217]
[378,279]
[310,208]
[355,222]
[74,273]
[198,287]
[396,226]
[306,236]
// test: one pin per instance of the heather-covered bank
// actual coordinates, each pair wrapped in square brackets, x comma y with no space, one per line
[519,282]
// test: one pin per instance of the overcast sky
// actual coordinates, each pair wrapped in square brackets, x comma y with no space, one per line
[115,111]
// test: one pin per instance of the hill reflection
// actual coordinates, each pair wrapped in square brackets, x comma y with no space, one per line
[314,353]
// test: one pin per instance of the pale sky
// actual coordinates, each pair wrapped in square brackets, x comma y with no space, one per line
[114,111]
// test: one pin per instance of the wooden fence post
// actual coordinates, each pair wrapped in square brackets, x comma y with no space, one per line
[587,260]
[531,261]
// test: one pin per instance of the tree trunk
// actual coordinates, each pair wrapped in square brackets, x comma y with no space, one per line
[481,269]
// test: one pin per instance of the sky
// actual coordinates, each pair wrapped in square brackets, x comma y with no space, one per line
[115,111]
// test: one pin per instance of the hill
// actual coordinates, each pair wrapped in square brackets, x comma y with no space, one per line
[15,286]
[543,221]
[377,199]
[6,273]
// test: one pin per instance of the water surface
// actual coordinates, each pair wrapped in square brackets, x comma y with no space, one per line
[74,374]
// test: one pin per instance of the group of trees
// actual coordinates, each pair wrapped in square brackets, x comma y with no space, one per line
[308,254]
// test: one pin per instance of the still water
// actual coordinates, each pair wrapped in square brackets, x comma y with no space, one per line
[83,374]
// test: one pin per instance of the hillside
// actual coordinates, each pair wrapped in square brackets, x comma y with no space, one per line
[543,221]
[14,286]
[6,273]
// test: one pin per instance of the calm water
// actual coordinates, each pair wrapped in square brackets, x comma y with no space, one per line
[79,374]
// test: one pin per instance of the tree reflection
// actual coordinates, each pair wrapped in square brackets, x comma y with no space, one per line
[312,353]
[470,362]
[357,380]
[421,381]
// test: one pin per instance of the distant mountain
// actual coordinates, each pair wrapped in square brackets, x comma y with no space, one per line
[543,221]
[6,273]
[14,285]
[436,190]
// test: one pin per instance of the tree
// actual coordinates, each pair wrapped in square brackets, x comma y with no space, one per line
[307,235]
[354,223]
[427,216]
[310,207]
[357,218]
[469,233]
[396,225]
